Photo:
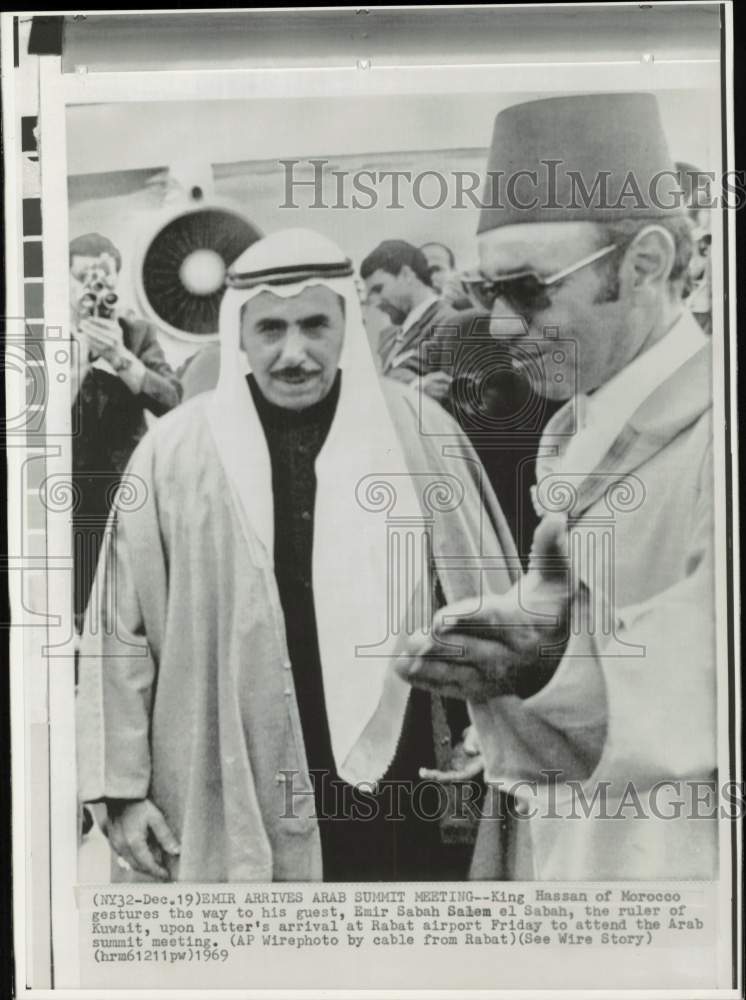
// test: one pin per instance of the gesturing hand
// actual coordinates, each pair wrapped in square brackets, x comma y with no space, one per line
[138,834]
[513,644]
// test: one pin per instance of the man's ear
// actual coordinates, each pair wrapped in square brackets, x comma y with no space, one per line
[650,256]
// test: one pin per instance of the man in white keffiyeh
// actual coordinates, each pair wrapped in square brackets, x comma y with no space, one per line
[238,710]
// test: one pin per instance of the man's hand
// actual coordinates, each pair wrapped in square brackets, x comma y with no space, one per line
[436,384]
[139,835]
[514,643]
[104,336]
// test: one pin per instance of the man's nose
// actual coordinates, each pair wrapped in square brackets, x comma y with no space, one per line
[506,323]
[293,346]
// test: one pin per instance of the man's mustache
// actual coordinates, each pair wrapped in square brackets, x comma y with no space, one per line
[297,371]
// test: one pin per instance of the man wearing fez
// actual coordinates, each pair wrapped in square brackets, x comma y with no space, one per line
[238,712]
[595,676]
[398,282]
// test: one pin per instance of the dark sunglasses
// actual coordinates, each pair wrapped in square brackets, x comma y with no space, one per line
[524,291]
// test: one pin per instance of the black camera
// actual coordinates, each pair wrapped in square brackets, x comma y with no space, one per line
[97,299]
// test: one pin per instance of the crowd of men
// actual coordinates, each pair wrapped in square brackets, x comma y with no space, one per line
[257,689]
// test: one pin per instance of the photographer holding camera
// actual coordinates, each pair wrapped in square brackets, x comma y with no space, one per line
[120,372]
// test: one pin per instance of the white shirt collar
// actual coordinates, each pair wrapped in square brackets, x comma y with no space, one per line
[603,415]
[630,387]
[414,314]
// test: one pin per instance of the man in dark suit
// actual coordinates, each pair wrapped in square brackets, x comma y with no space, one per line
[397,281]
[478,383]
[121,373]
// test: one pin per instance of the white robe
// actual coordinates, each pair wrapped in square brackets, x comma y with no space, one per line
[655,722]
[186,693]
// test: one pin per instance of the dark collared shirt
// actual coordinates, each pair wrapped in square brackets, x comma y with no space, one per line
[360,839]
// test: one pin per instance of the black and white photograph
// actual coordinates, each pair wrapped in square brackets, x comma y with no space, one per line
[376,527]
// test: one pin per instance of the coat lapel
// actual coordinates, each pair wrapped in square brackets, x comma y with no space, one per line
[409,341]
[389,347]
[668,411]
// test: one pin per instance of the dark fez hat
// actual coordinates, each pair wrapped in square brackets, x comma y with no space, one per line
[585,158]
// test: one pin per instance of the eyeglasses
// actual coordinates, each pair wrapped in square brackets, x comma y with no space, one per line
[524,291]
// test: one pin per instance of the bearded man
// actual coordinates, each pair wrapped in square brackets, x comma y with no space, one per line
[238,709]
